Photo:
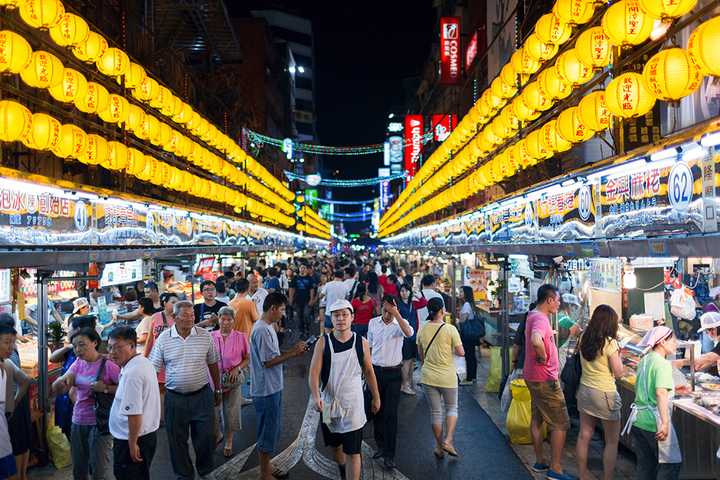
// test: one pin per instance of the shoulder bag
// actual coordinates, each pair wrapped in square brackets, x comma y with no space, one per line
[103,403]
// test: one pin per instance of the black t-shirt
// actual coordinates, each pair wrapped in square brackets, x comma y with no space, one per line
[202,311]
[338,347]
[520,342]
[303,285]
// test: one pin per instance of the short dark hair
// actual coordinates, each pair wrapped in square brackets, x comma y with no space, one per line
[349,270]
[167,296]
[205,283]
[84,321]
[383,268]
[7,319]
[90,333]
[427,280]
[124,332]
[242,285]
[147,305]
[220,285]
[338,274]
[545,292]
[275,299]
[131,294]
[7,330]
[389,299]
[151,286]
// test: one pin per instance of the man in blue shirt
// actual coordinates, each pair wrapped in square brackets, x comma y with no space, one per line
[302,297]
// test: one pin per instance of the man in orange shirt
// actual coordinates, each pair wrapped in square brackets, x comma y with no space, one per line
[245,311]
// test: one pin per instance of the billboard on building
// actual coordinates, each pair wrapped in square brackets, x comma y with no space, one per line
[414,130]
[450,50]
[396,154]
[442,125]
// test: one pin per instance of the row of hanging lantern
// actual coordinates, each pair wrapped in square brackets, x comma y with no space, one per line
[70,30]
[310,222]
[670,75]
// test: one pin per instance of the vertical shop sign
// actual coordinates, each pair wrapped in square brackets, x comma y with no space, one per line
[414,129]
[449,50]
[471,51]
[443,125]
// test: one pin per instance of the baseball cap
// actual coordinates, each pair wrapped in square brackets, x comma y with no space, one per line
[340,304]
[709,320]
[79,303]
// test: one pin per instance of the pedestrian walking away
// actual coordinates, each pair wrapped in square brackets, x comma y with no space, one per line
[409,349]
[386,334]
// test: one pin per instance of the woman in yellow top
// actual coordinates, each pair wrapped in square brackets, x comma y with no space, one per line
[437,343]
[597,395]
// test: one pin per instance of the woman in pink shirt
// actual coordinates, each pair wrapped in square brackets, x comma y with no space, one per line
[234,351]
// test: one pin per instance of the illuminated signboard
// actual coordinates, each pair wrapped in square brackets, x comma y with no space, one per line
[471,51]
[122,272]
[449,50]
[414,129]
[443,125]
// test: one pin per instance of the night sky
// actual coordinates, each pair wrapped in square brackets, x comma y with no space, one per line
[363,51]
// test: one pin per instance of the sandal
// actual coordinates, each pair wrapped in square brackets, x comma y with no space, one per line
[279,474]
[439,453]
[450,449]
[227,452]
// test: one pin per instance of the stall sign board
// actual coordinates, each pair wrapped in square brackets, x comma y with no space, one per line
[205,266]
[121,272]
[566,214]
[512,223]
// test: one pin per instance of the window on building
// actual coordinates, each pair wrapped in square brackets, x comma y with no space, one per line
[301,104]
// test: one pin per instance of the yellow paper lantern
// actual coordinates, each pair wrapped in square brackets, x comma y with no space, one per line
[508,75]
[147,90]
[551,140]
[43,71]
[539,50]
[592,47]
[117,158]
[96,150]
[703,47]
[550,29]
[44,132]
[524,63]
[553,85]
[72,142]
[509,119]
[117,109]
[91,48]
[9,4]
[625,23]
[113,62]
[15,121]
[150,128]
[522,111]
[570,128]
[671,74]
[667,9]
[70,30]
[148,170]
[168,106]
[500,130]
[572,70]
[501,89]
[135,118]
[72,86]
[135,161]
[164,134]
[628,96]
[535,147]
[164,94]
[512,156]
[41,13]
[184,115]
[134,75]
[534,98]
[593,111]
[96,99]
[15,52]
[574,12]
[525,159]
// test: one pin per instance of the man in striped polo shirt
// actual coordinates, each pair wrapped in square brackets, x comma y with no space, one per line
[187,352]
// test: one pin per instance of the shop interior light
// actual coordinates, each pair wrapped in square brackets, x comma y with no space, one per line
[629,278]
[664,154]
[692,151]
[710,140]
[568,182]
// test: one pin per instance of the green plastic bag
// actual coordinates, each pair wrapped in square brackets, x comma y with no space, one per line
[520,414]
[494,379]
[58,445]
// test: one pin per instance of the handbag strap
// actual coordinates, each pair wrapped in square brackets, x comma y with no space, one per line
[101,370]
[433,338]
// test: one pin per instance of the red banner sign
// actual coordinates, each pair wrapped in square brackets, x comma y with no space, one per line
[450,50]
[471,51]
[414,130]
[443,125]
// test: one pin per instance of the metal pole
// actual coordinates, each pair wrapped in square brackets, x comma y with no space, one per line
[453,287]
[42,319]
[505,322]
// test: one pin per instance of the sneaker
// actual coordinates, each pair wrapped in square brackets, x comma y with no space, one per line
[465,383]
[246,401]
[389,464]
[553,475]
[540,467]
[408,391]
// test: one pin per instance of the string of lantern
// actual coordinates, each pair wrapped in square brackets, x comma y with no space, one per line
[669,75]
[360,182]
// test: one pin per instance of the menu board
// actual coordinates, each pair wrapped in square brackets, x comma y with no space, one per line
[121,272]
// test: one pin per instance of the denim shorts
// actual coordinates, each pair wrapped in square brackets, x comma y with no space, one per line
[268,410]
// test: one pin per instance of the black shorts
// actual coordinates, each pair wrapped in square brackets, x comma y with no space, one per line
[351,441]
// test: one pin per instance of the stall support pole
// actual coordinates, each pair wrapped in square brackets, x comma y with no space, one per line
[43,277]
[505,321]
[453,288]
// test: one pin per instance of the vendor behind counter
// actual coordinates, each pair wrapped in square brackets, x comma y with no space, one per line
[708,362]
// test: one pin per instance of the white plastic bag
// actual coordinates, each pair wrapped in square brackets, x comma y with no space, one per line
[506,396]
[460,367]
[682,304]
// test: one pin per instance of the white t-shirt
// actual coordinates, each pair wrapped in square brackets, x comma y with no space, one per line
[466,311]
[336,290]
[137,393]
[143,328]
[259,298]
[422,313]
[349,284]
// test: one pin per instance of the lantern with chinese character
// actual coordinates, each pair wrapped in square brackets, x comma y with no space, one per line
[628,96]
[43,71]
[148,170]
[526,160]
[535,147]
[592,47]
[72,86]
[501,89]
[91,48]
[570,128]
[44,133]
[136,161]
[593,111]
[164,94]
[539,50]
[574,12]
[572,70]
[135,118]
[147,90]
[667,9]
[149,128]
[550,29]
[184,115]
[95,99]
[509,119]
[553,85]
[134,75]
[522,62]
[500,129]
[492,100]
[15,52]
[117,109]
[70,30]
[512,156]
[168,106]
[534,98]
[41,13]
[15,121]
[72,142]
[117,158]
[508,74]
[163,136]
[96,150]
[551,140]
[671,74]
[703,47]
[522,111]
[113,62]
[625,23]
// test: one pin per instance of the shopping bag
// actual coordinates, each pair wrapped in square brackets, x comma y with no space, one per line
[682,304]
[58,445]
[460,367]
[519,414]
[506,396]
[495,374]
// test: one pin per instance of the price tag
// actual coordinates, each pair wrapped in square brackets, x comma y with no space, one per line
[680,186]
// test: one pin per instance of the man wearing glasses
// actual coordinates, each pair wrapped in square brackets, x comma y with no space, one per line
[206,312]
[135,412]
